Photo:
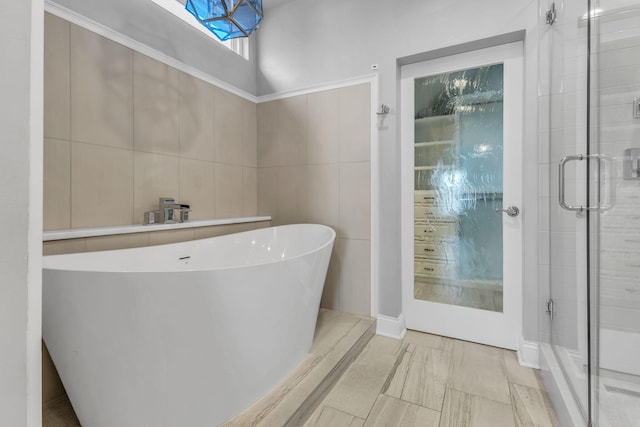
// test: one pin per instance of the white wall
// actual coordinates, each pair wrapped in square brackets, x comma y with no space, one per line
[21,227]
[149,24]
[306,43]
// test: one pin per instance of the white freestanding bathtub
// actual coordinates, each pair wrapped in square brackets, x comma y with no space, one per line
[186,334]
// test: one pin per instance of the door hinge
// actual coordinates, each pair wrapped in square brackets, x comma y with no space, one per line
[552,14]
[550,308]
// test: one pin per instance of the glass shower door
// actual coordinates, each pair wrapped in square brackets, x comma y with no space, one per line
[591,115]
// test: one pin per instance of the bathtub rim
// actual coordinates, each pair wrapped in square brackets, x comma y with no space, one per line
[51,258]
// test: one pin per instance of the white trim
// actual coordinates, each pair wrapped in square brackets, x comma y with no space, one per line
[374,157]
[392,327]
[104,31]
[79,233]
[367,78]
[529,354]
[34,237]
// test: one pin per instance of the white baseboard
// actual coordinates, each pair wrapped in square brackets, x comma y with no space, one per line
[392,327]
[529,354]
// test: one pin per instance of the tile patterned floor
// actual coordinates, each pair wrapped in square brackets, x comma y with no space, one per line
[422,380]
[426,380]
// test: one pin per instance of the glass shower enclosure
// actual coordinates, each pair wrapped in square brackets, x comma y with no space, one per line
[589,167]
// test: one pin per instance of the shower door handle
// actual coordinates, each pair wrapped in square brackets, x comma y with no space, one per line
[561,189]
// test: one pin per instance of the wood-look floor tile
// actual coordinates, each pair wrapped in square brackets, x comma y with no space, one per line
[488,413]
[59,413]
[395,383]
[359,387]
[520,374]
[296,397]
[347,342]
[326,416]
[456,409]
[479,370]
[532,407]
[261,409]
[421,377]
[424,340]
[465,410]
[389,411]
[330,332]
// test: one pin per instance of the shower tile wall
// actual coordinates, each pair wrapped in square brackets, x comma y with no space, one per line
[619,84]
[314,166]
[122,129]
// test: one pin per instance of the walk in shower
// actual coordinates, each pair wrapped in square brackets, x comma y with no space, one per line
[589,115]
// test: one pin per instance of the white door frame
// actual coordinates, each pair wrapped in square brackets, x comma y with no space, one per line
[492,328]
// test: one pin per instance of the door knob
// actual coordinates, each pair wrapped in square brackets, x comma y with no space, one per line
[511,211]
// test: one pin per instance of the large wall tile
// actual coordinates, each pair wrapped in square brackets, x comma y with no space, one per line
[323,127]
[59,247]
[122,241]
[268,193]
[156,104]
[249,191]
[228,191]
[57,184]
[268,134]
[197,100]
[355,200]
[249,134]
[323,195]
[292,130]
[355,123]
[197,187]
[101,186]
[101,90]
[355,276]
[228,128]
[331,291]
[57,90]
[314,166]
[155,176]
[171,236]
[292,195]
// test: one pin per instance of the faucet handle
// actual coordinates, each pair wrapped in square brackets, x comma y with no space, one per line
[166,201]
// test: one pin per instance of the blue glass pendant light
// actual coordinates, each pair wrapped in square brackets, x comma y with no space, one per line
[227,19]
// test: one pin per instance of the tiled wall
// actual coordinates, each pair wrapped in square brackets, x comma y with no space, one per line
[619,84]
[314,166]
[122,129]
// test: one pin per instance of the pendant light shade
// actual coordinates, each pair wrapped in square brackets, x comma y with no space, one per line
[227,19]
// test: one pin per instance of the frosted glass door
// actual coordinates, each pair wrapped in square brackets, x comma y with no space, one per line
[458,140]
[461,119]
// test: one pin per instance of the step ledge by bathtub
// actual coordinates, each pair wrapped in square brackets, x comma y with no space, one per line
[79,233]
